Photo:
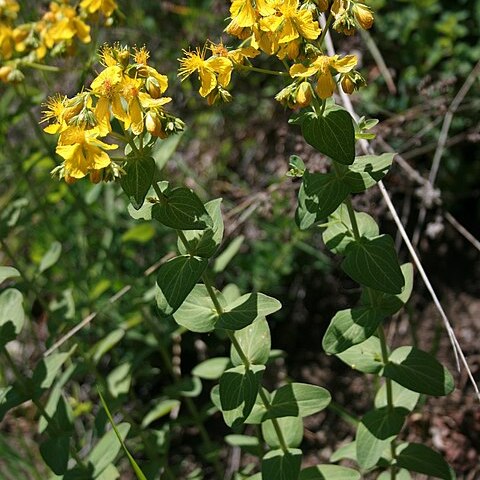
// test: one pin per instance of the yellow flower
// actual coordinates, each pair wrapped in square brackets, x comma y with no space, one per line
[289,22]
[107,7]
[82,151]
[212,72]
[61,23]
[7,42]
[243,13]
[322,67]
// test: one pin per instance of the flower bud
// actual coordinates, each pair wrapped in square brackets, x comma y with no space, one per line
[347,85]
[153,125]
[322,5]
[5,73]
[153,87]
[304,95]
[363,15]
[70,180]
[95,176]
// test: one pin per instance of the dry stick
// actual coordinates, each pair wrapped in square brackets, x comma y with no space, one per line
[377,56]
[457,350]
[415,176]
[442,141]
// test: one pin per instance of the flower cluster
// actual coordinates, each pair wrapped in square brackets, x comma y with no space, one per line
[290,31]
[128,90]
[54,33]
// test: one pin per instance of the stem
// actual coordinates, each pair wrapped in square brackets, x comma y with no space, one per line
[388,386]
[263,70]
[353,218]
[237,346]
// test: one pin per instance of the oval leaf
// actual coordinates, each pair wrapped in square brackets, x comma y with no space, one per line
[365,357]
[8,272]
[373,262]
[422,459]
[182,210]
[56,452]
[332,134]
[246,309]
[298,399]
[212,368]
[280,465]
[292,431]
[320,195]
[12,315]
[419,371]
[198,312]
[175,280]
[255,342]
[375,432]
[350,327]
[136,182]
[329,472]
[51,257]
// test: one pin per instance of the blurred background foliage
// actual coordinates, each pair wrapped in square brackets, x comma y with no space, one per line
[77,246]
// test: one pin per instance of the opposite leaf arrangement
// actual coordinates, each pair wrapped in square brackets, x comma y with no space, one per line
[130,92]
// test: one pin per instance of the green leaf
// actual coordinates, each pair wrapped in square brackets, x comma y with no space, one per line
[226,256]
[141,233]
[332,134]
[350,327]
[422,459]
[259,409]
[292,431]
[365,357]
[418,371]
[255,342]
[212,368]
[373,262]
[320,195]
[107,343]
[106,450]
[246,309]
[298,399]
[12,315]
[121,438]
[8,272]
[46,371]
[198,313]
[120,379]
[280,465]
[238,392]
[366,171]
[175,280]
[11,397]
[161,409]
[246,443]
[347,451]
[164,150]
[55,452]
[339,232]
[204,243]
[185,387]
[401,474]
[402,397]
[182,210]
[329,472]
[389,304]
[375,432]
[136,182]
[51,257]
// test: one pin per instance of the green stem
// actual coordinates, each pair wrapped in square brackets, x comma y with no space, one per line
[237,346]
[388,386]
[188,401]
[353,218]
[263,70]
